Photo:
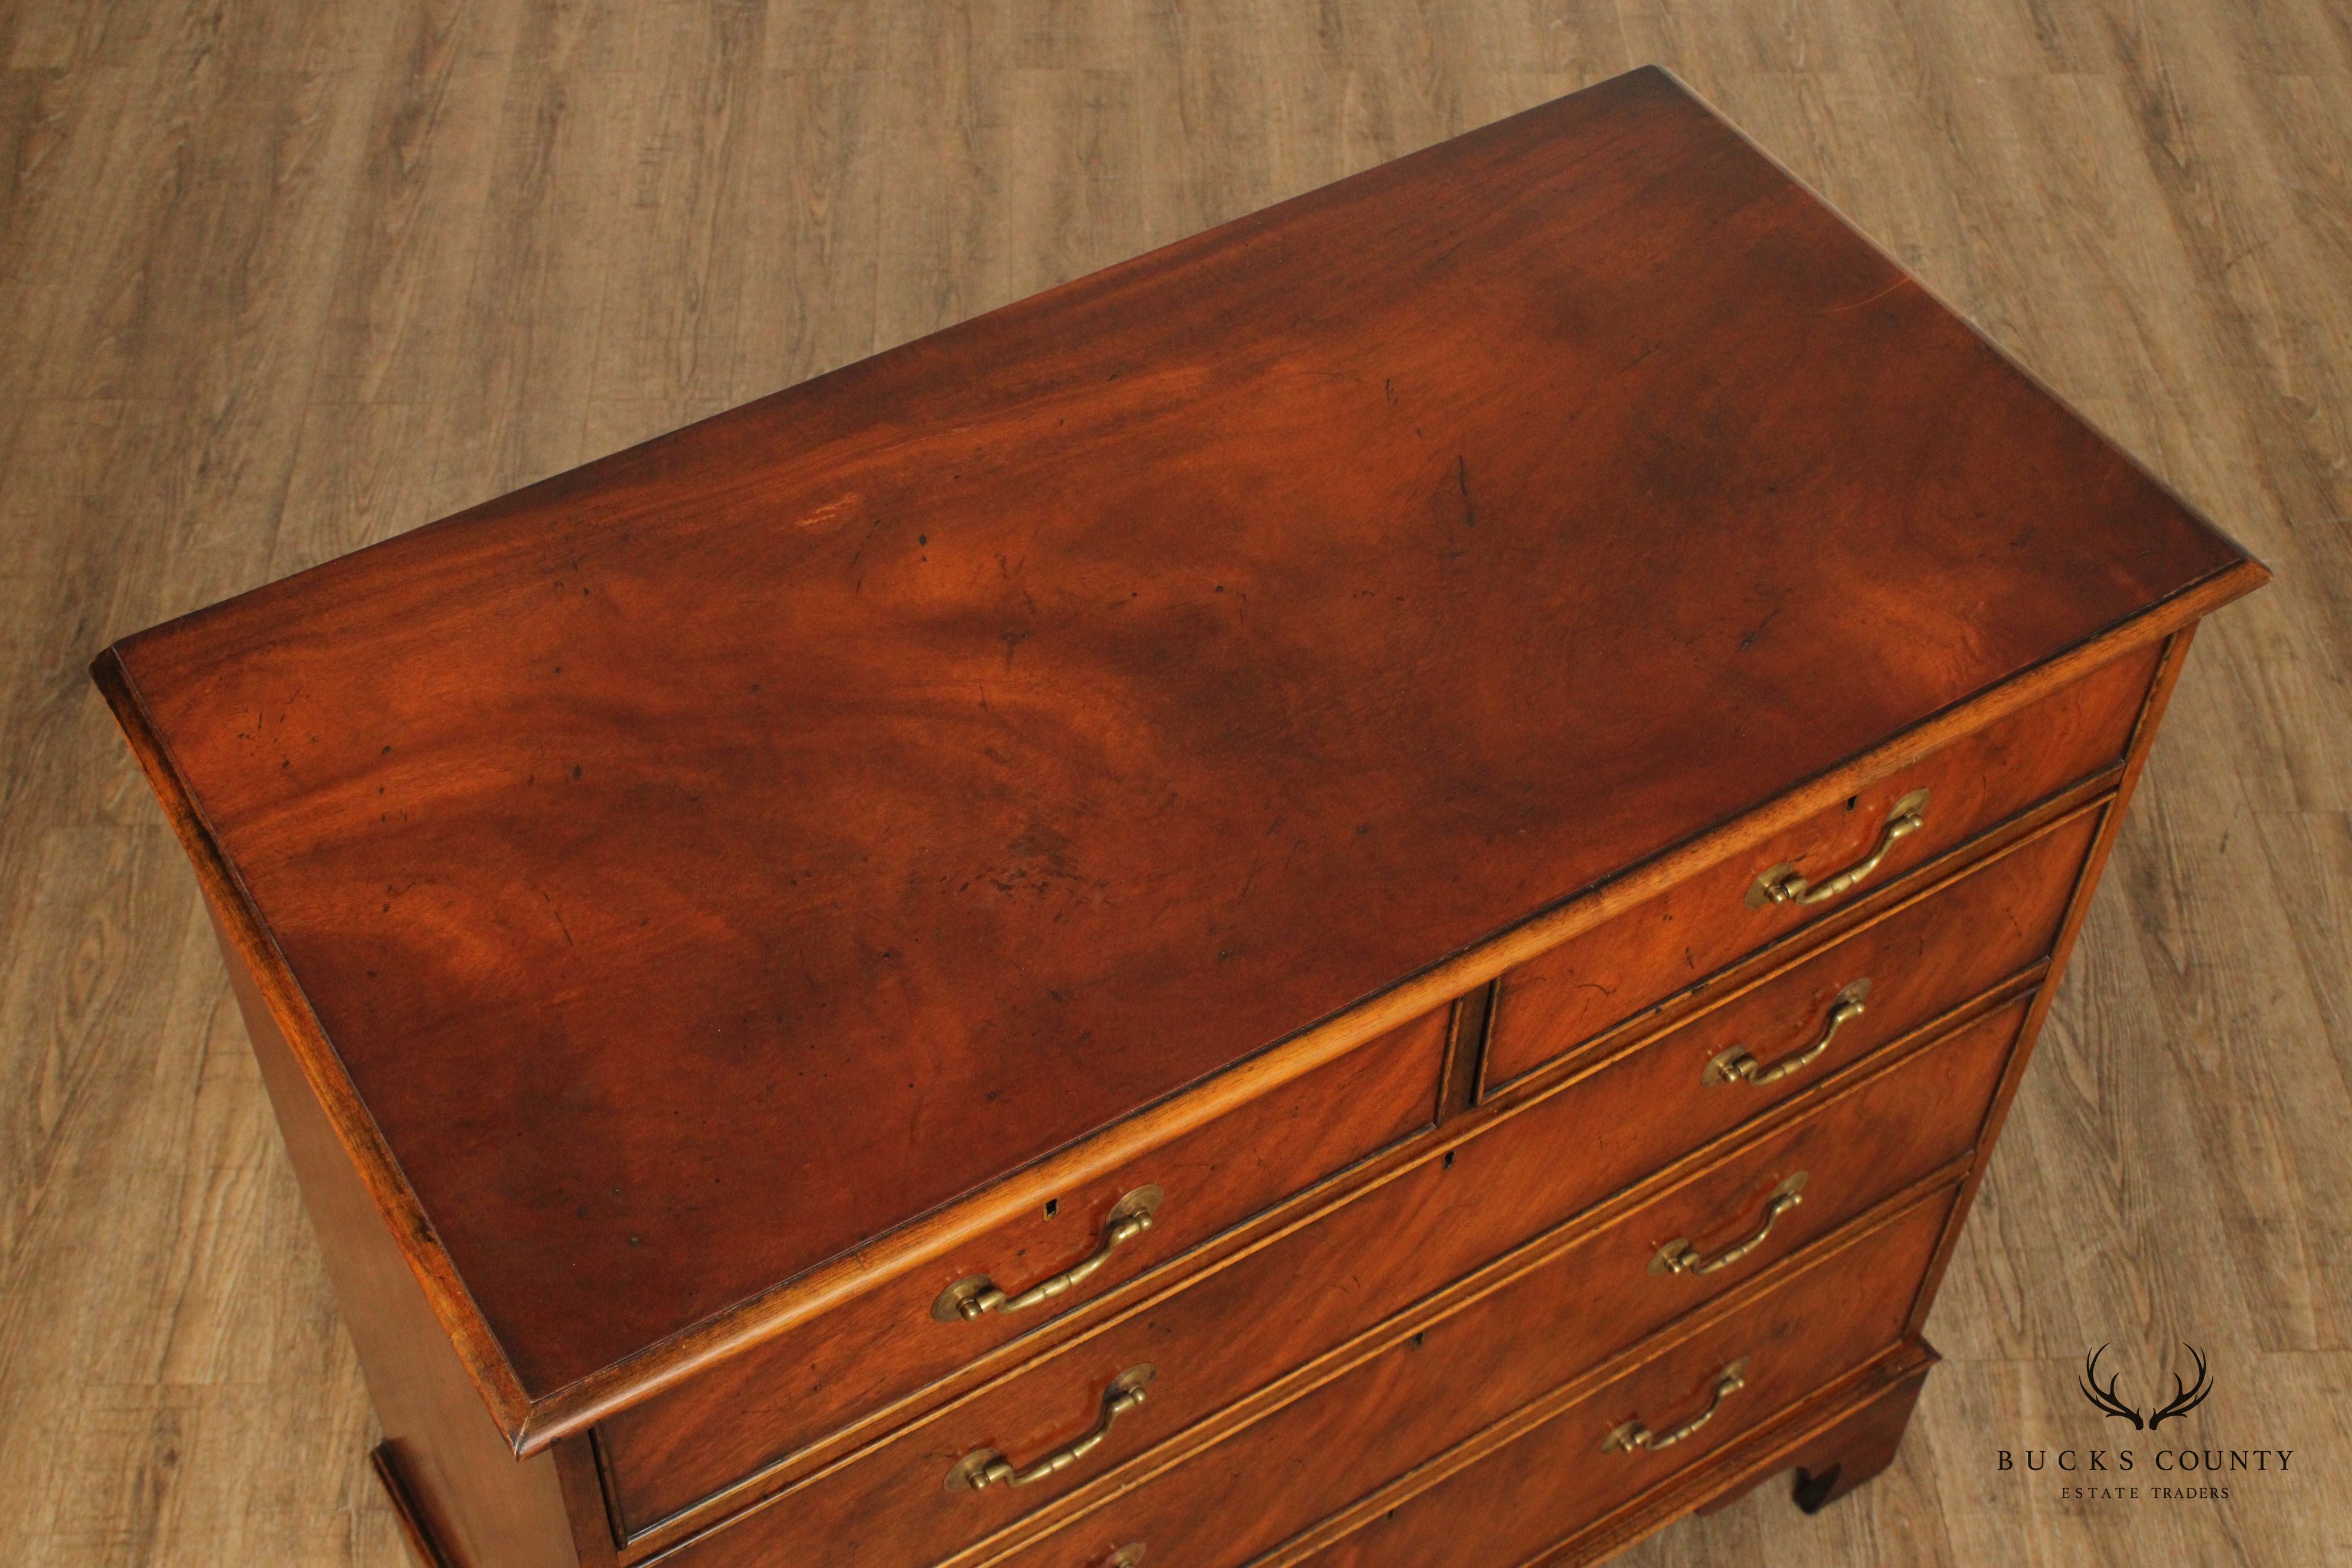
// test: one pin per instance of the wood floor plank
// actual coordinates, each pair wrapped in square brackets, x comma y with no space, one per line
[396,319]
[523,375]
[668,321]
[823,196]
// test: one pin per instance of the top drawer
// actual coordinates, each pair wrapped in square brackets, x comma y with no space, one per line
[1613,970]
[777,1400]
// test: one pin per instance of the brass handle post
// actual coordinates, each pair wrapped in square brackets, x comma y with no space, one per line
[986,1467]
[1682,1257]
[1634,1436]
[1734,1065]
[975,1297]
[1784,884]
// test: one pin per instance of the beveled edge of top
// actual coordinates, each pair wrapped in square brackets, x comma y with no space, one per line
[484,1359]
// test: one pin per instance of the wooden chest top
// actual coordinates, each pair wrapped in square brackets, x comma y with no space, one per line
[707,861]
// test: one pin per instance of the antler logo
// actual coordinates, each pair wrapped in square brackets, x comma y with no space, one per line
[2184,1399]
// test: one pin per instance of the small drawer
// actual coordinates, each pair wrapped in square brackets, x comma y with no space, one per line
[1647,1104]
[1608,973]
[762,1407]
[1246,1325]
[1575,1467]
[1411,1404]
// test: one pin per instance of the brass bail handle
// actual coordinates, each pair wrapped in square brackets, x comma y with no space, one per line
[1736,1066]
[986,1467]
[1681,1257]
[973,1299]
[1784,884]
[1633,1436]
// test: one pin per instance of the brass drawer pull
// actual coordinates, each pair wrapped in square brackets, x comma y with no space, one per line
[1682,1257]
[985,1468]
[1784,884]
[1736,1066]
[973,1299]
[1633,1435]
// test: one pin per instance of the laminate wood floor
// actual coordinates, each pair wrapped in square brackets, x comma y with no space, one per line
[279,277]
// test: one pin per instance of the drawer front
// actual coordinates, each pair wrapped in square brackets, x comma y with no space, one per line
[1562,1476]
[1438,1221]
[1248,1495]
[767,1403]
[1651,1104]
[1613,971]
[1241,1328]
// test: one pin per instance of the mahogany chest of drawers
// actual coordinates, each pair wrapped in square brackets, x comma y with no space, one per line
[1364,891]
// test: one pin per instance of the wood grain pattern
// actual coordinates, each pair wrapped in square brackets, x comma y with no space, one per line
[1622,967]
[1849,1451]
[1240,1499]
[1916,972]
[467,1494]
[1644,1096]
[1772,1449]
[902,751]
[284,279]
[2145,732]
[1860,1148]
[759,1408]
